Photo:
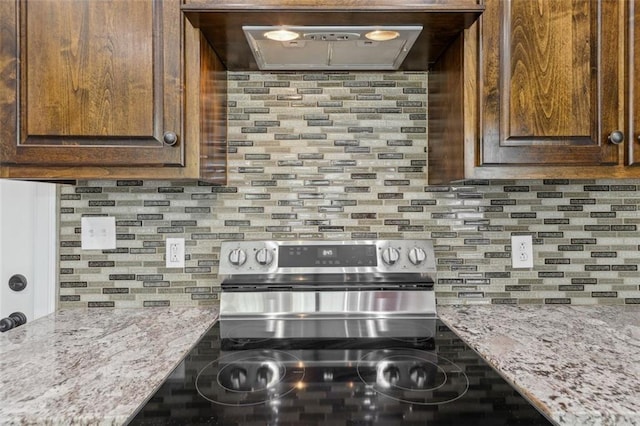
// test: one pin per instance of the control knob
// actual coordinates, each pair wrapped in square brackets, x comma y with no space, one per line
[264,256]
[417,255]
[390,256]
[237,257]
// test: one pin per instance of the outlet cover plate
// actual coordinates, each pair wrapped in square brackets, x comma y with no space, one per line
[175,252]
[521,251]
[98,233]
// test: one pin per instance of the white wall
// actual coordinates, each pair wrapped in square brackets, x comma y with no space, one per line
[28,241]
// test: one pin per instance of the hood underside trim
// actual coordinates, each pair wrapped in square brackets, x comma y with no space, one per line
[221,24]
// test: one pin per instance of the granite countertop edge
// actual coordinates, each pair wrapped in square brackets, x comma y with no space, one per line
[93,366]
[579,365]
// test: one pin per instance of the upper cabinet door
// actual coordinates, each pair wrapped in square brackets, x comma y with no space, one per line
[96,83]
[550,80]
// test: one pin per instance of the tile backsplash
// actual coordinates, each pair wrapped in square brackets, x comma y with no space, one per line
[343,156]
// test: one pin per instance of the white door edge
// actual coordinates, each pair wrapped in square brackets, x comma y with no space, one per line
[45,244]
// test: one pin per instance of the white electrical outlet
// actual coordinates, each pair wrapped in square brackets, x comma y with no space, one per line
[522,251]
[98,233]
[175,252]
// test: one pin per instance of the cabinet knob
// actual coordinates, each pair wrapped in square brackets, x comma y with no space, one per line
[170,138]
[616,137]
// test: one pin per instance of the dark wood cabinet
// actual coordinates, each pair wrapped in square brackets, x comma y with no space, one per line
[550,76]
[633,131]
[100,89]
[543,87]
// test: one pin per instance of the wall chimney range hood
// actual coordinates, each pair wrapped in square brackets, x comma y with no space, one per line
[331,35]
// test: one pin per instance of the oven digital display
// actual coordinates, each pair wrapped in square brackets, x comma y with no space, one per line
[323,256]
[327,253]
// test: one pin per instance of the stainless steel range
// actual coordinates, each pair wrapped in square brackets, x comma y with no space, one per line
[312,289]
[333,332]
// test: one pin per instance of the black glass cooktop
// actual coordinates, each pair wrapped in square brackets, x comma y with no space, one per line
[434,379]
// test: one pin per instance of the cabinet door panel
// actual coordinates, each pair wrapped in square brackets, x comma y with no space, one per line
[100,83]
[94,77]
[550,73]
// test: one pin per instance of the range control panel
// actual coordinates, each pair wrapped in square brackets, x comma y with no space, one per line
[327,256]
[260,257]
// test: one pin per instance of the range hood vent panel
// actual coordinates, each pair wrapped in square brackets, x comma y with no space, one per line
[299,54]
[375,55]
[331,48]
[221,24]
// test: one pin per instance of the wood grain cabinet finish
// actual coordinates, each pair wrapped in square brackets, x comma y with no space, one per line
[98,89]
[544,86]
[550,82]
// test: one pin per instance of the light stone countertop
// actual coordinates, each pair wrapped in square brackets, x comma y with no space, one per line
[580,365]
[93,366]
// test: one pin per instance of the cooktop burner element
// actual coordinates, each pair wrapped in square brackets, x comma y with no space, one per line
[250,377]
[413,376]
[257,376]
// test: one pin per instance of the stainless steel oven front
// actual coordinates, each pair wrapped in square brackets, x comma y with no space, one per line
[326,288]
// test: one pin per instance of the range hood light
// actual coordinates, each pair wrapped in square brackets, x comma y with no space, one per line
[382,35]
[330,47]
[281,35]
